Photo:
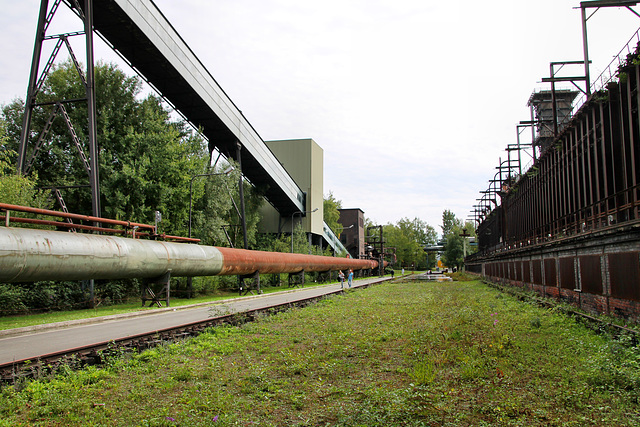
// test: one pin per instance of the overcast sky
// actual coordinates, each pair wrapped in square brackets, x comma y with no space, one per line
[412,101]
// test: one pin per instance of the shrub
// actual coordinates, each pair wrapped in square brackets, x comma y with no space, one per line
[11,300]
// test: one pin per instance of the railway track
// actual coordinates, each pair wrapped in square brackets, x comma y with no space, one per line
[595,323]
[97,353]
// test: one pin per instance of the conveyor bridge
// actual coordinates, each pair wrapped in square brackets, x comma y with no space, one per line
[142,35]
[139,32]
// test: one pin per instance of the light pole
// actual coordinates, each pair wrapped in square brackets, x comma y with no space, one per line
[343,228]
[292,216]
[227,171]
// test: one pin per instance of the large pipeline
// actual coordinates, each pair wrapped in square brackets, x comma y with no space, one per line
[28,255]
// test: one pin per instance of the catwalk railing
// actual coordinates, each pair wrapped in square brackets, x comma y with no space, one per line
[588,179]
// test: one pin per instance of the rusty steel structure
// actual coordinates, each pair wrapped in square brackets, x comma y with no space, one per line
[569,227]
[36,81]
[586,180]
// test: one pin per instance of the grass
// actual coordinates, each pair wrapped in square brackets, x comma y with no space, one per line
[131,306]
[8,322]
[396,354]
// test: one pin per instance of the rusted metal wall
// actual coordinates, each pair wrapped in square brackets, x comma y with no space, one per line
[599,273]
[570,226]
[587,179]
[624,275]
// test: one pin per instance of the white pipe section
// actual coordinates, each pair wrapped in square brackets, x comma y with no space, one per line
[28,255]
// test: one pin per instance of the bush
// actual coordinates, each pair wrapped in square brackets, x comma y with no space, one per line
[47,296]
[116,291]
[11,300]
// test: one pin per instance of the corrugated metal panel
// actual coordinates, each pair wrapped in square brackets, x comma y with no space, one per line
[590,274]
[624,275]
[537,271]
[567,273]
[518,266]
[526,271]
[550,273]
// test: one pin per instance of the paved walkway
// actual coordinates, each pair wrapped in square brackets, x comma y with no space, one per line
[24,343]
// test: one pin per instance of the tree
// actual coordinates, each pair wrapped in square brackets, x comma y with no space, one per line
[418,230]
[455,244]
[409,238]
[146,159]
[16,189]
[449,221]
[453,249]
[470,228]
[331,214]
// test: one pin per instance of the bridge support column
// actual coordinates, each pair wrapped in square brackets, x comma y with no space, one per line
[324,276]
[296,279]
[36,81]
[246,287]
[148,294]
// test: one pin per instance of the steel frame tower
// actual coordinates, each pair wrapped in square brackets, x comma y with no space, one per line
[37,79]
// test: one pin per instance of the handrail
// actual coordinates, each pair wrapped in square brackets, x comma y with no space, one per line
[130,228]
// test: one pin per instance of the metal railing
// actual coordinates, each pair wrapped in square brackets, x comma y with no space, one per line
[127,228]
[609,73]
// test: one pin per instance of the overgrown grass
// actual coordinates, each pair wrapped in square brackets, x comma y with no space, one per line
[397,354]
[462,276]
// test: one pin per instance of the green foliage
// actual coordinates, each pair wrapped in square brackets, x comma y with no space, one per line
[146,160]
[331,215]
[453,255]
[16,189]
[449,221]
[11,300]
[409,238]
[20,298]
[623,77]
[273,242]
[454,248]
[301,242]
[450,354]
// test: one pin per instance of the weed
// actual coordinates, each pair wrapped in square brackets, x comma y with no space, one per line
[424,372]
[535,323]
[452,354]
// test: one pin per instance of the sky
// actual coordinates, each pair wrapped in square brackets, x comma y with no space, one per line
[412,101]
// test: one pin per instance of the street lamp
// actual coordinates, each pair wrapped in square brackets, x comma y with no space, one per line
[227,171]
[292,216]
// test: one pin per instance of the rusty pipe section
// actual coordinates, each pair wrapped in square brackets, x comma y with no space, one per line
[241,261]
[28,255]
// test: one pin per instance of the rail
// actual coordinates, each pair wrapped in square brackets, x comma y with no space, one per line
[129,228]
[98,352]
[608,74]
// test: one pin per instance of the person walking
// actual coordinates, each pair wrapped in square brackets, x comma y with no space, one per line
[341,277]
[350,277]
